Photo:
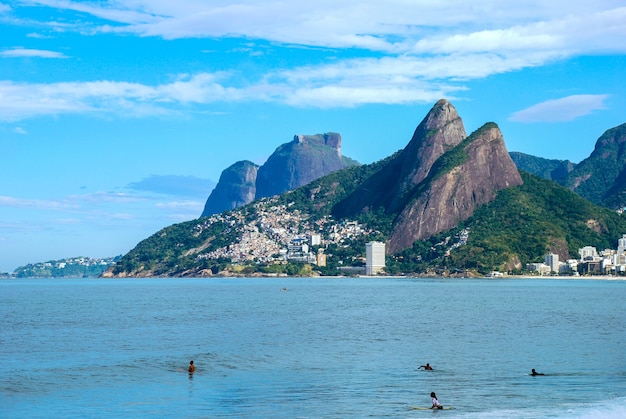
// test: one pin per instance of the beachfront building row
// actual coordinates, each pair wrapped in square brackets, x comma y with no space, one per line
[591,262]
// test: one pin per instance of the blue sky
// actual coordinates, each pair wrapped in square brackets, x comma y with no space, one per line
[117,117]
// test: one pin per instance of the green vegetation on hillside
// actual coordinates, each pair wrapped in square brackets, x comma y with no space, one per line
[520,226]
[76,267]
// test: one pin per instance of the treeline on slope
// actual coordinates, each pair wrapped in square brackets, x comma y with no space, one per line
[67,271]
[319,197]
[165,251]
[520,226]
[604,168]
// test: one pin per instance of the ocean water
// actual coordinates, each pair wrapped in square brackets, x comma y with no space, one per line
[325,348]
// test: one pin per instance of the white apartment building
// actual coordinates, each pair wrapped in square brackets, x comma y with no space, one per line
[588,252]
[621,244]
[374,257]
[552,261]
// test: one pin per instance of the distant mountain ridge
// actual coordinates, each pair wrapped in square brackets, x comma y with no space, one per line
[551,169]
[445,203]
[293,164]
[600,178]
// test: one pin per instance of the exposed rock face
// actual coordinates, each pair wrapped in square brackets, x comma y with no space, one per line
[303,160]
[236,187]
[451,196]
[438,180]
[306,158]
[440,131]
[601,177]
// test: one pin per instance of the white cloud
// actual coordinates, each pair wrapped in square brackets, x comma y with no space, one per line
[36,35]
[405,51]
[31,53]
[195,206]
[7,201]
[559,110]
[393,26]
[19,130]
[24,100]
[71,202]
[4,8]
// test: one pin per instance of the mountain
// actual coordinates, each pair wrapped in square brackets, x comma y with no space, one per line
[551,169]
[293,164]
[438,180]
[444,203]
[236,187]
[306,158]
[601,177]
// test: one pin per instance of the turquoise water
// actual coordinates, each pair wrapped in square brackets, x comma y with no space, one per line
[326,348]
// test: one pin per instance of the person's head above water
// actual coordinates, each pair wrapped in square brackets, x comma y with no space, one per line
[433,395]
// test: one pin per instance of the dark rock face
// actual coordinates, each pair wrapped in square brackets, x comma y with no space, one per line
[601,177]
[439,131]
[236,187]
[301,161]
[452,196]
[438,180]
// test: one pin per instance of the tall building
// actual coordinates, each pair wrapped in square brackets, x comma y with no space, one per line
[588,253]
[552,261]
[621,244]
[374,257]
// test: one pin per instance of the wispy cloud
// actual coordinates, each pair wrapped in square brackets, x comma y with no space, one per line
[563,109]
[195,206]
[71,202]
[400,53]
[19,130]
[395,26]
[31,53]
[182,186]
[7,201]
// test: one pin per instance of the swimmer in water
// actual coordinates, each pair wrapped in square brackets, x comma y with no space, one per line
[533,372]
[427,367]
[192,367]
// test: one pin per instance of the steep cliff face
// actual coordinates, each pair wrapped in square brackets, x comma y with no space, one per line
[306,158]
[601,177]
[440,131]
[236,187]
[460,181]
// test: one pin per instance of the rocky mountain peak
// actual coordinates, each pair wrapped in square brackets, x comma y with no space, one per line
[330,139]
[236,187]
[460,181]
[306,158]
[293,164]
